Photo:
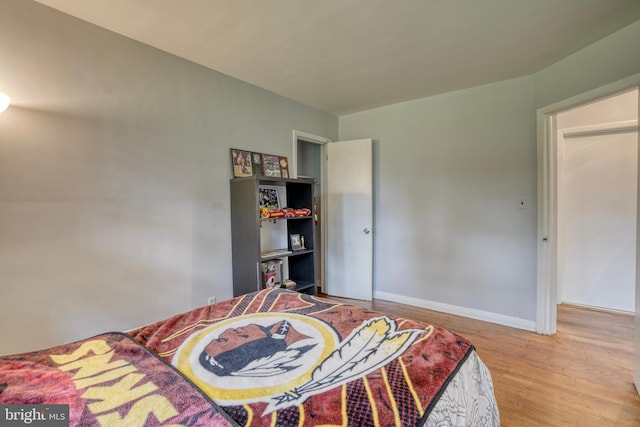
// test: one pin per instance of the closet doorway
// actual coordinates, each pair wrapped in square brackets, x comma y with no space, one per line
[597,152]
[308,156]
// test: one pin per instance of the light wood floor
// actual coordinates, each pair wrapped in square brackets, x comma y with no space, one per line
[582,376]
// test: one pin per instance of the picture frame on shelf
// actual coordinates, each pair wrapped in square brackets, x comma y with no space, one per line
[256,163]
[284,166]
[268,197]
[241,163]
[296,242]
[271,165]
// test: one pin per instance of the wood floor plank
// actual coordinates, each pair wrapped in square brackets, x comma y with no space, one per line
[582,376]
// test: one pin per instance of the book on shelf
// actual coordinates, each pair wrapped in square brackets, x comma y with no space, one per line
[275,252]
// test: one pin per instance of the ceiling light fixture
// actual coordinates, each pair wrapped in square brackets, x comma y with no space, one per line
[4,101]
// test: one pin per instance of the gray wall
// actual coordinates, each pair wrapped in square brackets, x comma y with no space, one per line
[114,176]
[612,58]
[449,172]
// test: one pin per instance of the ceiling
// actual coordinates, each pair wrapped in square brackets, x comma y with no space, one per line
[344,56]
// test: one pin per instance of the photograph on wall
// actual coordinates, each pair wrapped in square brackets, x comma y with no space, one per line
[271,165]
[284,167]
[268,197]
[241,163]
[256,163]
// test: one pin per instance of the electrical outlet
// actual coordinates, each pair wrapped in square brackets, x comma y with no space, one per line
[211,300]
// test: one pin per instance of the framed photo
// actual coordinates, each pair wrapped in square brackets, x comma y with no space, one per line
[284,167]
[268,197]
[271,165]
[296,242]
[256,163]
[241,163]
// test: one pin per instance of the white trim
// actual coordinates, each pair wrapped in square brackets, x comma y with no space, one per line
[558,170]
[485,316]
[599,309]
[546,310]
[601,129]
[308,137]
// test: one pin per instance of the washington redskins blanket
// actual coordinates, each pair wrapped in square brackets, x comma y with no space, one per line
[280,358]
[107,380]
[271,358]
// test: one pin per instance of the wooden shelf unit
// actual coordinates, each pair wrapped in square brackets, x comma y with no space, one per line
[251,235]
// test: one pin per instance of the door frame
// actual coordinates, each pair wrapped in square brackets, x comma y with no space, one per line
[547,182]
[322,141]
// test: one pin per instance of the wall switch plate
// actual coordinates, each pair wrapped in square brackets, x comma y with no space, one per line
[211,300]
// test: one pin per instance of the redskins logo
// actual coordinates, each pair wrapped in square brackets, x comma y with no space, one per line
[249,358]
[284,358]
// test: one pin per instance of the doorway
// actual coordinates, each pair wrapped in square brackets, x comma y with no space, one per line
[308,156]
[345,225]
[597,162]
[547,253]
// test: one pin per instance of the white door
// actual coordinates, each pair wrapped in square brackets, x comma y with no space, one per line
[349,219]
[599,199]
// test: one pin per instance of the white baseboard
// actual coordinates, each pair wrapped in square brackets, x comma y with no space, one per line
[486,316]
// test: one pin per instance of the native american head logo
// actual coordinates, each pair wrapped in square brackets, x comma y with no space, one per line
[282,359]
[248,358]
[255,350]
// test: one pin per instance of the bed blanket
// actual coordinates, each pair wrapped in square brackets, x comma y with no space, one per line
[108,380]
[282,358]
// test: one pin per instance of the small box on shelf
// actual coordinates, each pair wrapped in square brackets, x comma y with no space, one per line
[272,274]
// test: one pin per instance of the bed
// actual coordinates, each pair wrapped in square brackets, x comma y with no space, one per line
[270,358]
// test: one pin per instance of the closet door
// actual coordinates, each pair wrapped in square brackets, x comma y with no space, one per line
[349,256]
